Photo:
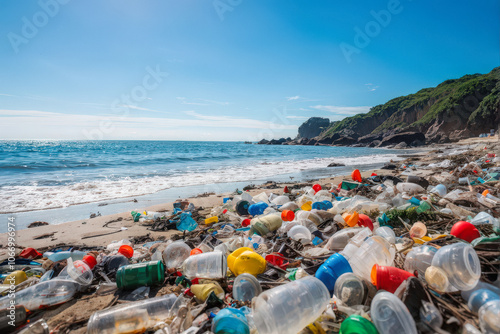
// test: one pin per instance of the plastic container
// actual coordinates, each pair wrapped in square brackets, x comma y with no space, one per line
[287,215]
[390,315]
[135,317]
[480,297]
[288,308]
[489,317]
[356,324]
[79,271]
[265,224]
[409,188]
[418,230]
[374,250]
[114,262]
[44,294]
[300,233]
[245,287]
[483,218]
[480,285]
[388,278]
[460,263]
[332,269]
[175,254]
[245,260]
[211,220]
[465,231]
[140,274]
[206,265]
[203,291]
[419,259]
[262,197]
[230,321]
[350,289]
[292,206]
[257,208]
[340,239]
[387,233]
[281,200]
[440,190]
[59,256]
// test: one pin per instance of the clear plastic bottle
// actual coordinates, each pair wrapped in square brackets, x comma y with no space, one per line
[206,265]
[460,263]
[350,289]
[489,317]
[44,294]
[245,287]
[288,308]
[175,254]
[390,314]
[341,238]
[419,259]
[135,317]
[59,256]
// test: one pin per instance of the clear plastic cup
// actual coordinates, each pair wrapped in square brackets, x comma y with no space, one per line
[288,308]
[206,265]
[245,287]
[350,289]
[460,263]
[390,314]
[175,254]
[419,259]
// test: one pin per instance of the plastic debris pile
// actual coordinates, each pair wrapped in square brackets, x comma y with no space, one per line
[393,253]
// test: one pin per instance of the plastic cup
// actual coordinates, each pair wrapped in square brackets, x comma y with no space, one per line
[465,231]
[126,251]
[350,289]
[331,270]
[460,263]
[245,287]
[418,230]
[388,278]
[206,265]
[440,190]
[287,215]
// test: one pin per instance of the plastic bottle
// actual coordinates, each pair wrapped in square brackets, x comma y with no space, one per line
[489,315]
[78,271]
[44,294]
[265,224]
[437,279]
[480,285]
[440,190]
[388,278]
[341,238]
[16,315]
[390,314]
[140,274]
[230,320]
[203,291]
[114,246]
[374,250]
[281,200]
[483,218]
[135,317]
[257,208]
[288,308]
[419,259]
[460,263]
[245,260]
[59,256]
[332,269]
[387,233]
[112,263]
[206,265]
[480,297]
[409,188]
[245,287]
[175,254]
[350,289]
[356,324]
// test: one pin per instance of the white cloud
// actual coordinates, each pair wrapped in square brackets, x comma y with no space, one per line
[291,98]
[371,87]
[297,117]
[343,110]
[130,106]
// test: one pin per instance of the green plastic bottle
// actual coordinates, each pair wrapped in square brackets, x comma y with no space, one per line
[140,274]
[356,324]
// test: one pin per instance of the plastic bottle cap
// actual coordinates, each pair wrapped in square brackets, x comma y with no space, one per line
[195,251]
[465,231]
[245,222]
[90,261]
[126,251]
[317,187]
[287,215]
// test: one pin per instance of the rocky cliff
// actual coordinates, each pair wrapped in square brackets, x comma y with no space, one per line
[313,127]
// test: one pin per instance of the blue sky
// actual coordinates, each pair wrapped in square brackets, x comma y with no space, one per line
[225,69]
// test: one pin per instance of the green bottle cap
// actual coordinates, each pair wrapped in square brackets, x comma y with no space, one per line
[356,324]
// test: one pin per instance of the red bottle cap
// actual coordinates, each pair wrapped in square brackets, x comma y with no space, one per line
[195,251]
[126,251]
[287,215]
[90,261]
[465,231]
[388,278]
[317,187]
[245,222]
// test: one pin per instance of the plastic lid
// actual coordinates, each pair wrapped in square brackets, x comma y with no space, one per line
[90,261]
[195,251]
[126,251]
[245,222]
[245,287]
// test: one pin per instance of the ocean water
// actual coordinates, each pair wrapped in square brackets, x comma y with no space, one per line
[40,175]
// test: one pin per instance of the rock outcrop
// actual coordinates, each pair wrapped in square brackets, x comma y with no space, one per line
[313,127]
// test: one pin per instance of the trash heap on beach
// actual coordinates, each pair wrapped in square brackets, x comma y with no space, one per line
[412,249]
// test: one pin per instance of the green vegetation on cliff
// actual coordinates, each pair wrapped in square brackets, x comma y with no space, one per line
[455,104]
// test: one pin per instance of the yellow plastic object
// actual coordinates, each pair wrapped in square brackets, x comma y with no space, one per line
[427,239]
[436,278]
[211,220]
[351,219]
[307,206]
[245,260]
[202,291]
[15,277]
